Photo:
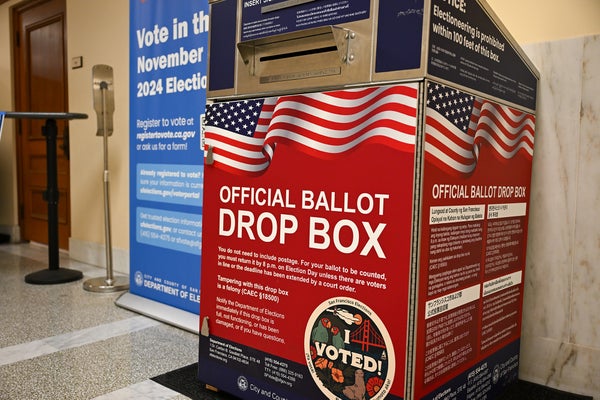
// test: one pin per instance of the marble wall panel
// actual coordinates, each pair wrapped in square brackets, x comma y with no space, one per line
[585,316]
[561,319]
[553,189]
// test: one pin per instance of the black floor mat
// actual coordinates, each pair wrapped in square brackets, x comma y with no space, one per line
[523,390]
[185,381]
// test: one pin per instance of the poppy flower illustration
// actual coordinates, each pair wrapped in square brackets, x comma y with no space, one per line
[374,384]
[321,363]
[313,352]
[337,375]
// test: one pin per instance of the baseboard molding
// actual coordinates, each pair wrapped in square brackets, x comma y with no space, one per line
[95,254]
[14,231]
[560,365]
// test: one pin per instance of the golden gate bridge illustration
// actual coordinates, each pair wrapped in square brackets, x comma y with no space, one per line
[367,336]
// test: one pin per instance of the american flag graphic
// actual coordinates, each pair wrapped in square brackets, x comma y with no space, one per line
[242,135]
[456,123]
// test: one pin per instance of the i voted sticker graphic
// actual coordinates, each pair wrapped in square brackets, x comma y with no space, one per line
[349,351]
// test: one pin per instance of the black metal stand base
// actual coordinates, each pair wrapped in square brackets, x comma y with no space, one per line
[52,276]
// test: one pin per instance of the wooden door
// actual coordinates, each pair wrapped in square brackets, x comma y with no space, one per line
[40,65]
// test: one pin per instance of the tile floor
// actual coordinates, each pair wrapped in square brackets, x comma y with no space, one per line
[62,342]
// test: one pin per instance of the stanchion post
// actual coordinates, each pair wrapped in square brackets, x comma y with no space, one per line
[54,274]
[50,131]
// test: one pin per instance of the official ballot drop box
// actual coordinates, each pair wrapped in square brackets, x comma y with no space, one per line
[366,198]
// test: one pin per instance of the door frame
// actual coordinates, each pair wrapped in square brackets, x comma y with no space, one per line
[19,100]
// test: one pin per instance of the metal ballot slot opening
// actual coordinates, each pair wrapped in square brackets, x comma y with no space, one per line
[328,52]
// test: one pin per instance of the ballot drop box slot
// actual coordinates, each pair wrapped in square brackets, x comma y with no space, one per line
[366,199]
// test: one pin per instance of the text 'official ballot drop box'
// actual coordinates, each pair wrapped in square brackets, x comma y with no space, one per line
[366,198]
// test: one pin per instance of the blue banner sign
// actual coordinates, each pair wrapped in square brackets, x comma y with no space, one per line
[168,53]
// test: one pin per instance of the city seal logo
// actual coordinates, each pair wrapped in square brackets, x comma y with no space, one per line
[139,278]
[242,383]
[349,351]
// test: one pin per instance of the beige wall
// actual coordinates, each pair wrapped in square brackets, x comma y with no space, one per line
[532,21]
[98,31]
[8,173]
